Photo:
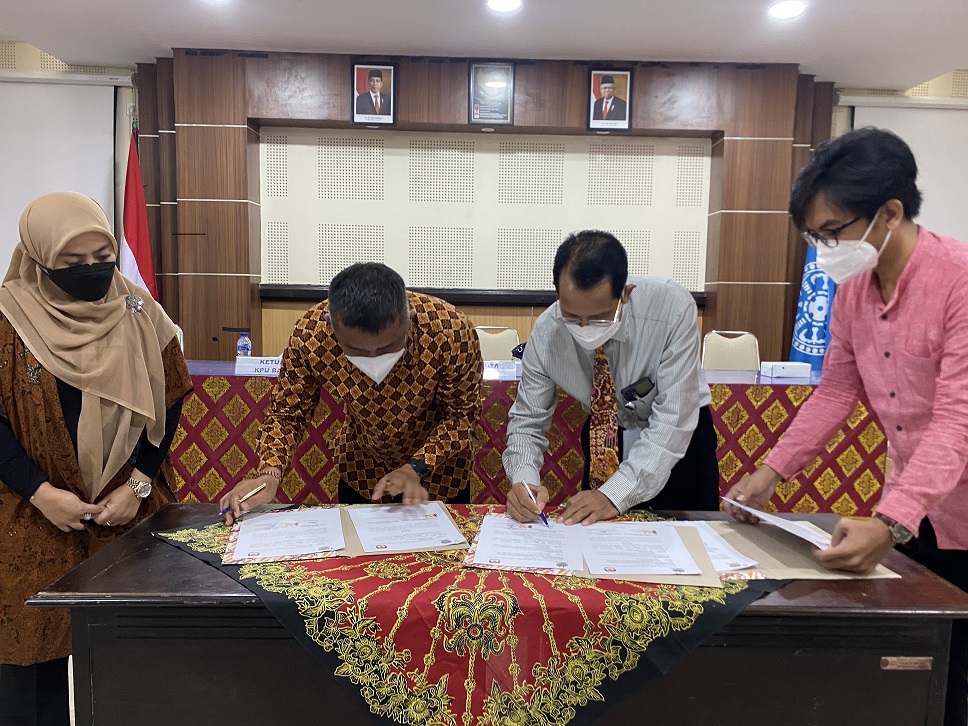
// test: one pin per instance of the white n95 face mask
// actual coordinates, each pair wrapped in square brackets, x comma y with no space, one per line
[591,337]
[378,367]
[850,258]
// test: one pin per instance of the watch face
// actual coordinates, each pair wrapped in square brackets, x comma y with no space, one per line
[142,489]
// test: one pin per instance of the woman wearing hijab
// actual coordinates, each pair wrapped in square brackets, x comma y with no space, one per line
[91,385]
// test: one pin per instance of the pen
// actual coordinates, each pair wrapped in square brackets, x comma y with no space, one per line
[540,514]
[252,494]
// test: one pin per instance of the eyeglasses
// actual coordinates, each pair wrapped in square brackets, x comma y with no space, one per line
[593,322]
[827,238]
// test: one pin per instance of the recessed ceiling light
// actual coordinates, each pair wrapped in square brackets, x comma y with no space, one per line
[496,84]
[787,9]
[504,6]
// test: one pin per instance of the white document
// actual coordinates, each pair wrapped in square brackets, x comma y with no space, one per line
[505,542]
[635,548]
[404,527]
[818,540]
[289,534]
[724,556]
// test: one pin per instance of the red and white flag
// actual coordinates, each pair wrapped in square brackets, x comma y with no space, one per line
[135,253]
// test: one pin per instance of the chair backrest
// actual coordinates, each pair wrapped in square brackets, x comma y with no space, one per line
[496,341]
[180,334]
[730,350]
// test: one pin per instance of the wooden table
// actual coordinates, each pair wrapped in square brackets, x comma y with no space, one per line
[162,638]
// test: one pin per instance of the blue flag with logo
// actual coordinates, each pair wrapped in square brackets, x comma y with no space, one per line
[811,329]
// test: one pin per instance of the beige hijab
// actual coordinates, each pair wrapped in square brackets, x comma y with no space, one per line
[107,349]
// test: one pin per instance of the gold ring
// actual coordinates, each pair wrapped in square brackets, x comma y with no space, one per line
[108,522]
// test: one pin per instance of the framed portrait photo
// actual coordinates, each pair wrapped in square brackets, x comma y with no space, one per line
[374,94]
[491,94]
[610,100]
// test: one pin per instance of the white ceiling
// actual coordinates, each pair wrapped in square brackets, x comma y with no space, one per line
[855,43]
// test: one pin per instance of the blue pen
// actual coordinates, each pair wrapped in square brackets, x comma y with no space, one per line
[250,494]
[540,514]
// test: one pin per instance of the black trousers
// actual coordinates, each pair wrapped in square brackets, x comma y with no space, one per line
[952,565]
[694,481]
[34,695]
[348,495]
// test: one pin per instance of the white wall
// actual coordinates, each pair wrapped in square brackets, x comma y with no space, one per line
[53,137]
[939,139]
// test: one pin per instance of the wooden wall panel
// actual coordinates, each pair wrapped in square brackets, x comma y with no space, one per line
[753,247]
[166,93]
[209,87]
[146,85]
[213,237]
[212,162]
[208,303]
[298,86]
[432,91]
[756,174]
[803,116]
[551,94]
[759,100]
[713,242]
[823,111]
[278,319]
[168,239]
[757,308]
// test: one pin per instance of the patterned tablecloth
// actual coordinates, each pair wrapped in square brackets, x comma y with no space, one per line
[424,640]
[214,445]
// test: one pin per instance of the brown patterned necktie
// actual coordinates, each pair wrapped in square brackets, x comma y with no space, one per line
[603,427]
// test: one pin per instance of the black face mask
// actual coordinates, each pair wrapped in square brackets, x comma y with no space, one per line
[85,282]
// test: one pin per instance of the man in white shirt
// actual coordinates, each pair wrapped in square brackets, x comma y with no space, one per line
[627,349]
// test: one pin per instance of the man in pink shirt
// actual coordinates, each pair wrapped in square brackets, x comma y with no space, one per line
[899,334]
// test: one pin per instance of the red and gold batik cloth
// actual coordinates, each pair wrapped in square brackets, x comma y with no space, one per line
[425,641]
[603,426]
[426,407]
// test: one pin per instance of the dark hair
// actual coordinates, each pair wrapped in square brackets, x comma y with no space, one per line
[589,257]
[368,296]
[859,172]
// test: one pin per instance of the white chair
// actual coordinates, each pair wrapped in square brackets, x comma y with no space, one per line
[496,341]
[730,350]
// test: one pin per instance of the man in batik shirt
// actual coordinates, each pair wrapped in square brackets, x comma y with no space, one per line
[407,369]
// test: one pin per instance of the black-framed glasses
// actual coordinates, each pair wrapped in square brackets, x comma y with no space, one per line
[829,237]
[593,322]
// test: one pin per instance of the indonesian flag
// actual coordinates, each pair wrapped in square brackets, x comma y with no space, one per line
[135,253]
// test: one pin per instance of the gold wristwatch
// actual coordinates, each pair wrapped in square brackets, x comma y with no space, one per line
[141,489]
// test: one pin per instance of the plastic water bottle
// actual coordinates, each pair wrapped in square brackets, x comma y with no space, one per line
[244,347]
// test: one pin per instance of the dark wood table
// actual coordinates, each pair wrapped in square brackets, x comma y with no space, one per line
[163,638]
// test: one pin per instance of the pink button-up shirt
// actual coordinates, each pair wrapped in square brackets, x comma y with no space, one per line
[910,356]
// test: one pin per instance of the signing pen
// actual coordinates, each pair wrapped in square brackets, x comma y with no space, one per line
[540,514]
[250,494]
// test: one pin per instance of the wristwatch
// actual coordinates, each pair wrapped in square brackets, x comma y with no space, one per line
[419,466]
[899,533]
[141,489]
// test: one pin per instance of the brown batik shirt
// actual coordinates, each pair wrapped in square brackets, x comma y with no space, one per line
[426,407]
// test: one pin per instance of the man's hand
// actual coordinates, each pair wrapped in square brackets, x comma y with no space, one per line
[520,506]
[63,508]
[237,508]
[754,491]
[118,508]
[857,545]
[588,507]
[401,481]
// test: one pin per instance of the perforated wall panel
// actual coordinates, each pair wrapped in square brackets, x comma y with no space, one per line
[341,245]
[687,256]
[691,181]
[8,55]
[478,211]
[441,171]
[277,165]
[441,257]
[350,168]
[620,174]
[276,269]
[525,257]
[531,172]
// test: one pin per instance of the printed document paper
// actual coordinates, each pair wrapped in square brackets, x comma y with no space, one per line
[818,540]
[635,548]
[507,543]
[404,527]
[724,556]
[282,535]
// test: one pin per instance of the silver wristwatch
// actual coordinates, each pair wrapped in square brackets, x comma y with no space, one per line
[899,533]
[141,489]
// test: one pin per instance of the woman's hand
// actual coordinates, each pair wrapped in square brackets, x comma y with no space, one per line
[118,508]
[64,509]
